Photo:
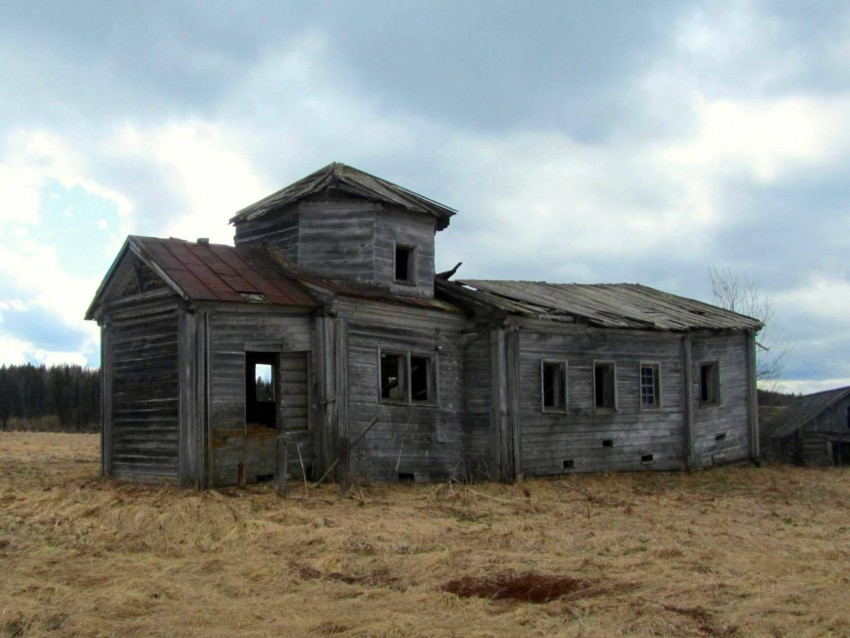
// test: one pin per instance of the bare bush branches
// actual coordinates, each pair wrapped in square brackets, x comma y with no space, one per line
[738,293]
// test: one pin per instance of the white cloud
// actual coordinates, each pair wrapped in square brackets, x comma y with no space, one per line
[820,297]
[12,351]
[766,139]
[204,167]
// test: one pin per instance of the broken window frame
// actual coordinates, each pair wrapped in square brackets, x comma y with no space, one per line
[559,392]
[709,383]
[407,254]
[651,386]
[609,396]
[409,379]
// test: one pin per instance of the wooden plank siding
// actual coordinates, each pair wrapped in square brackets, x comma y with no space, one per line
[231,335]
[396,226]
[584,439]
[722,432]
[349,239]
[143,401]
[422,441]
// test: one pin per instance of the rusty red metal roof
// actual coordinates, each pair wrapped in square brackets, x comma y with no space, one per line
[217,272]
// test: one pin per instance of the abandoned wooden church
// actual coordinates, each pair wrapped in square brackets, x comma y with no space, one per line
[327,320]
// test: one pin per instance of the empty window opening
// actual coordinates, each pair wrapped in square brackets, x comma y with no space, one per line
[261,374]
[709,383]
[554,385]
[608,443]
[569,464]
[848,417]
[421,384]
[408,378]
[264,382]
[406,477]
[604,387]
[646,458]
[720,437]
[393,375]
[264,478]
[649,386]
[404,263]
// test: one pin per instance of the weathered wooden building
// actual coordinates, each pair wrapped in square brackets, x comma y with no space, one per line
[327,319]
[813,430]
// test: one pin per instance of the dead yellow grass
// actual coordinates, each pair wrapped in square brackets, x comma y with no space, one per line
[730,552]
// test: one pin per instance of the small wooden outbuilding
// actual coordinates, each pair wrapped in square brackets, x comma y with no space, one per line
[813,430]
[327,319]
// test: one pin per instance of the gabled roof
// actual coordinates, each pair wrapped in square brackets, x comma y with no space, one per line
[211,272]
[347,180]
[804,409]
[606,305]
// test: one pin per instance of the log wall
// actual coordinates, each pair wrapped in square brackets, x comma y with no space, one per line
[231,335]
[586,439]
[141,425]
[410,441]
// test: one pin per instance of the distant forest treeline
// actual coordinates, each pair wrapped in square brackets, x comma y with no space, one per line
[62,397]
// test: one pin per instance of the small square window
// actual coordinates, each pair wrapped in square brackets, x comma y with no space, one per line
[408,378]
[393,376]
[405,263]
[553,385]
[604,386]
[709,383]
[650,397]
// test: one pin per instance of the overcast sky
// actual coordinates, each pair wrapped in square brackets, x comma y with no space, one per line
[580,141]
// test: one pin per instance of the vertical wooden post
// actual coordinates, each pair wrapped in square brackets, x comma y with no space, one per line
[105,398]
[499,422]
[752,395]
[512,348]
[688,399]
[281,466]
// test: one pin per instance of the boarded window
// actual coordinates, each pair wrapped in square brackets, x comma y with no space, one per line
[604,386]
[393,376]
[649,386]
[709,383]
[553,379]
[404,263]
[261,376]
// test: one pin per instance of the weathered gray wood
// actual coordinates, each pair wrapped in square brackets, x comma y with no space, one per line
[688,401]
[143,431]
[106,400]
[230,336]
[752,394]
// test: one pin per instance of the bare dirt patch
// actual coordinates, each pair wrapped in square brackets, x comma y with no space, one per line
[527,588]
[728,552]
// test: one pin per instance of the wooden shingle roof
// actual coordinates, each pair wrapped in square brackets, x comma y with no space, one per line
[804,409]
[342,179]
[606,305]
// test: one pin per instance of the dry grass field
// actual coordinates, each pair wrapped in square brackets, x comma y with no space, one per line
[728,552]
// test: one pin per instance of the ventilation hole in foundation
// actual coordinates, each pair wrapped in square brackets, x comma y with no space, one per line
[569,464]
[646,458]
[608,443]
[720,437]
[406,477]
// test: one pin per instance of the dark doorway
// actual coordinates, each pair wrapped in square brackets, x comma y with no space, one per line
[261,391]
